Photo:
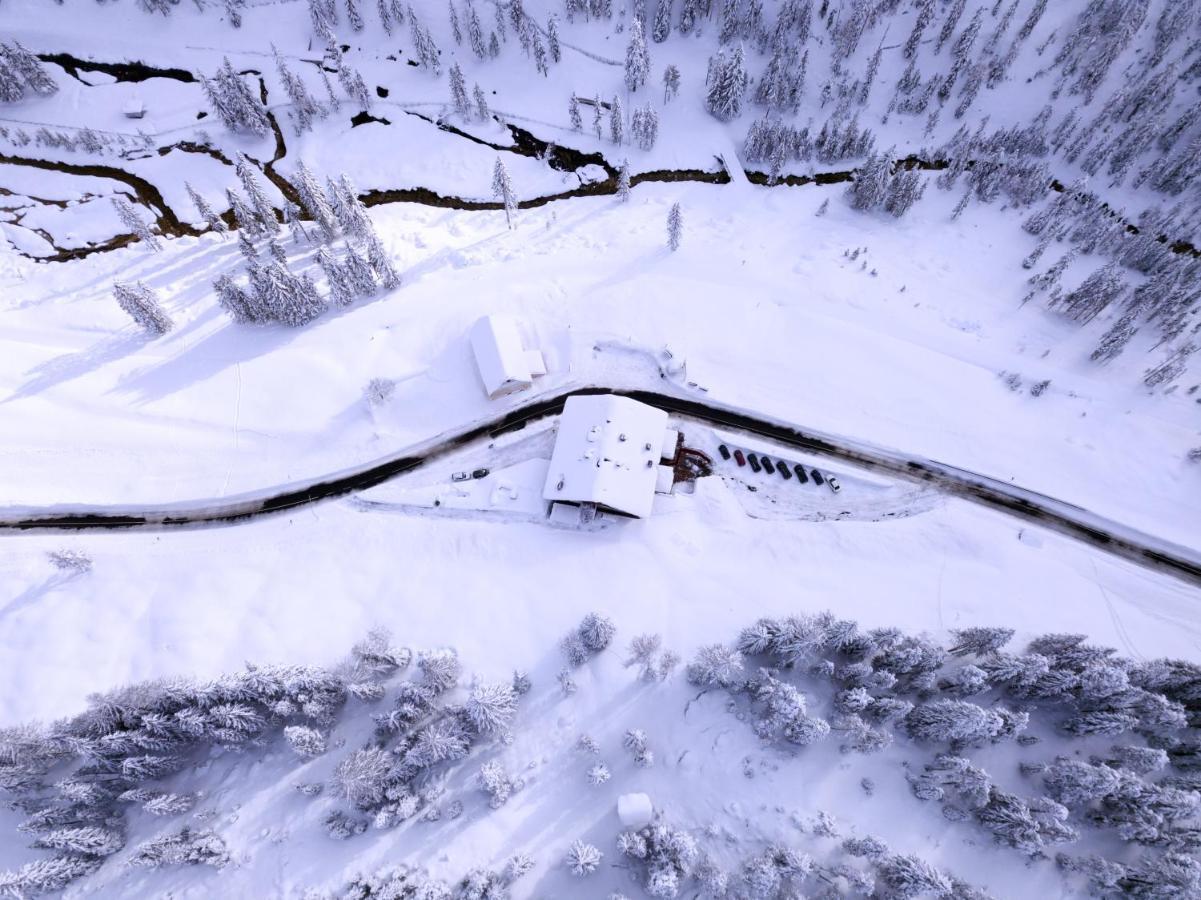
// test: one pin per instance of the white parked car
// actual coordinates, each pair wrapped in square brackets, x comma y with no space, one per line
[461,476]
[833,482]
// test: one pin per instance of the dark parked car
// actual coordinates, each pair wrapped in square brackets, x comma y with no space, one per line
[724,451]
[817,477]
[802,477]
[480,473]
[767,464]
[739,458]
[785,472]
[754,461]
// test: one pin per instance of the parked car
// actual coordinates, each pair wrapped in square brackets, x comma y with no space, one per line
[724,451]
[833,482]
[460,476]
[801,475]
[817,478]
[785,472]
[480,473]
[767,464]
[739,458]
[754,461]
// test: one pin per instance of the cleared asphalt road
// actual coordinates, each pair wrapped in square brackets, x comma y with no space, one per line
[1048,512]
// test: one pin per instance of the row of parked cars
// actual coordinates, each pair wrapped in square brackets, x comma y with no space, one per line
[764,463]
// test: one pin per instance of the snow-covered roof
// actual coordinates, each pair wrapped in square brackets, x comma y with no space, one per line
[607,452]
[504,364]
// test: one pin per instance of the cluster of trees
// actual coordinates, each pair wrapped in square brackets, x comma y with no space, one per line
[407,883]
[276,294]
[238,107]
[882,681]
[22,73]
[82,140]
[73,780]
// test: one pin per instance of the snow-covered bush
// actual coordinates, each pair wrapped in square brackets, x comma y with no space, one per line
[491,707]
[496,783]
[363,776]
[635,741]
[184,847]
[715,664]
[583,858]
[306,741]
[664,854]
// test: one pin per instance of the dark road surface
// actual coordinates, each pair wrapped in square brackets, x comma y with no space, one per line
[1048,512]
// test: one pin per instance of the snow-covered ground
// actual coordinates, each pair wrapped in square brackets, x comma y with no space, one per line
[908,334]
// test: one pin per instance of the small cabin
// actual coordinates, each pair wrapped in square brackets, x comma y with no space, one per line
[504,364]
[134,109]
[609,456]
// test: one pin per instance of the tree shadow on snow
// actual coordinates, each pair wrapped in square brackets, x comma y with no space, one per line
[34,593]
[70,366]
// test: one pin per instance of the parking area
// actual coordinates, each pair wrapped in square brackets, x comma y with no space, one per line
[779,467]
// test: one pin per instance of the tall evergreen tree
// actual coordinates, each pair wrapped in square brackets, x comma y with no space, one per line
[662,21]
[623,181]
[263,210]
[143,306]
[135,223]
[502,189]
[616,121]
[458,91]
[726,84]
[211,219]
[552,38]
[638,58]
[481,104]
[475,33]
[675,227]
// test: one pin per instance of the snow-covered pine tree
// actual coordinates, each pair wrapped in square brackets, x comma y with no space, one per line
[905,188]
[870,186]
[214,221]
[263,210]
[46,876]
[502,189]
[481,104]
[240,305]
[539,50]
[381,264]
[475,32]
[323,16]
[458,91]
[573,114]
[645,126]
[341,291]
[638,58]
[315,203]
[305,107]
[493,46]
[1095,293]
[552,38]
[623,181]
[143,307]
[616,121]
[245,220]
[305,741]
[456,30]
[671,82]
[135,223]
[662,26]
[234,103]
[353,16]
[491,707]
[726,85]
[597,111]
[26,70]
[384,11]
[583,859]
[358,273]
[675,227]
[349,209]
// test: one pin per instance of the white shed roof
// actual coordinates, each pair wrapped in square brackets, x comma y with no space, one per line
[502,360]
[607,452]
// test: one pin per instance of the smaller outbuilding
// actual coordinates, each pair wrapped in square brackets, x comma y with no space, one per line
[505,366]
[134,108]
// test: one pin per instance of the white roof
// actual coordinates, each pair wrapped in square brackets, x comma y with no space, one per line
[607,452]
[635,810]
[500,356]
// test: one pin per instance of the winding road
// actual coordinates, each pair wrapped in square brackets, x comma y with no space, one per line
[1067,519]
